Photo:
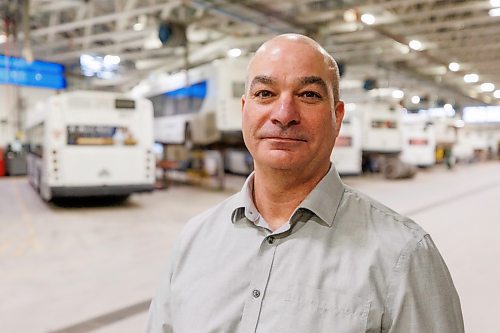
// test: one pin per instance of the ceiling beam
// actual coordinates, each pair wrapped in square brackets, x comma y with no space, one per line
[102,19]
[242,14]
[121,23]
[116,36]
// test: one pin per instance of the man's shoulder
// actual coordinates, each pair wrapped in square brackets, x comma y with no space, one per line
[390,227]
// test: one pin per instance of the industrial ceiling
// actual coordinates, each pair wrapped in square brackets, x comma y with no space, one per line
[400,44]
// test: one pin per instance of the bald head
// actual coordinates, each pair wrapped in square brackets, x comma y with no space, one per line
[294,44]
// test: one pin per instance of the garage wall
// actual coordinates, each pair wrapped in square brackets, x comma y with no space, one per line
[14,101]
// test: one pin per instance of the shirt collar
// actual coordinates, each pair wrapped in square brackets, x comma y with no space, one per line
[242,199]
[323,200]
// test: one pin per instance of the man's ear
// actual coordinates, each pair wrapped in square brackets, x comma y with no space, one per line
[242,102]
[339,115]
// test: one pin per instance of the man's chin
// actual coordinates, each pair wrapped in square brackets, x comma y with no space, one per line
[280,161]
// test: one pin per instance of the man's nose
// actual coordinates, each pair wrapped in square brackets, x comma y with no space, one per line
[286,112]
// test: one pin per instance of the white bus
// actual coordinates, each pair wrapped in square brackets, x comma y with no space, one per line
[200,106]
[87,143]
[347,153]
[381,128]
[381,137]
[419,144]
[471,144]
[370,137]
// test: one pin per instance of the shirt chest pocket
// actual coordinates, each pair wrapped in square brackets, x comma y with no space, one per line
[319,311]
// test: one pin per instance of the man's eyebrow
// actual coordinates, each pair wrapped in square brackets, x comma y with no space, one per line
[307,80]
[263,79]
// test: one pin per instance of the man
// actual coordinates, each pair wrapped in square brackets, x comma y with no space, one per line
[296,250]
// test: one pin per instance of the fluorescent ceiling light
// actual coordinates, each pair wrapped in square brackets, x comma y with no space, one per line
[487,87]
[138,26]
[415,99]
[481,114]
[448,107]
[496,94]
[368,19]
[494,12]
[234,53]
[495,3]
[398,94]
[454,67]
[415,45]
[111,60]
[471,78]
[441,112]
[350,15]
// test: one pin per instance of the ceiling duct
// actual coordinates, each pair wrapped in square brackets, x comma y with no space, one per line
[370,84]
[172,33]
[341,65]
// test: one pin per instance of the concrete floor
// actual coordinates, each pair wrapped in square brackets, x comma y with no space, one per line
[75,268]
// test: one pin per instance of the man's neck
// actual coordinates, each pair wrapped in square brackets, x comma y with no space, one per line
[278,193]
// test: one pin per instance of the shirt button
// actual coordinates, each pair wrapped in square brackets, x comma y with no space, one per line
[256,293]
[270,240]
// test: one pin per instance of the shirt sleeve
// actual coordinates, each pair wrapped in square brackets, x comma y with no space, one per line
[160,311]
[421,296]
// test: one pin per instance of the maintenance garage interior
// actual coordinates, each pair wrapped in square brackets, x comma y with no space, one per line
[121,119]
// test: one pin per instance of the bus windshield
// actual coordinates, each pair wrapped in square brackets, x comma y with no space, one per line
[99,135]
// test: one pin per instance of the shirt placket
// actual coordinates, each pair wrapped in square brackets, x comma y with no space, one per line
[258,284]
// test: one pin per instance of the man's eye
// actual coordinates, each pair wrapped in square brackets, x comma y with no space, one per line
[311,94]
[263,94]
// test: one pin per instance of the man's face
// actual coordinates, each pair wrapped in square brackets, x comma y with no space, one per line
[289,117]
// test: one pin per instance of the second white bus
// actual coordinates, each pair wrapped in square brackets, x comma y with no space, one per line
[419,144]
[89,143]
[200,106]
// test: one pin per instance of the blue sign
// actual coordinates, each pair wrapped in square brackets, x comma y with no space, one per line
[35,74]
[197,90]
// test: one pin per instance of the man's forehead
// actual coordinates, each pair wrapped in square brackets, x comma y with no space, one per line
[280,52]
[304,58]
[287,70]
[296,80]
[291,58]
[290,40]
[290,44]
[272,74]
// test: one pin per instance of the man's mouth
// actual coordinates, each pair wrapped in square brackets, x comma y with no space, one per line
[282,138]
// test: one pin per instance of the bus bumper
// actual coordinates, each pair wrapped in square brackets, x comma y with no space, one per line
[90,191]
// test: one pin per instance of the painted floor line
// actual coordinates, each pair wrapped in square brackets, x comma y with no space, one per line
[106,319]
[452,198]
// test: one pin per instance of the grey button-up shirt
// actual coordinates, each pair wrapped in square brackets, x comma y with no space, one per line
[343,264]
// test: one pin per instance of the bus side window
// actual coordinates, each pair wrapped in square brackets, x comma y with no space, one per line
[35,139]
[180,101]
